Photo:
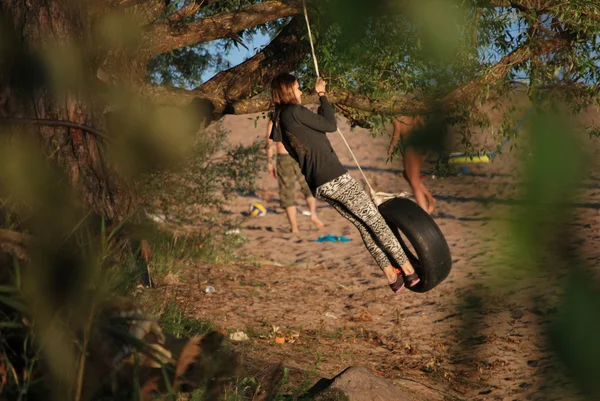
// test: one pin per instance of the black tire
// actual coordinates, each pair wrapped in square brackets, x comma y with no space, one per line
[432,261]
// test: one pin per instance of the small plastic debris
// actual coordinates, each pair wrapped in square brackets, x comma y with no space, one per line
[209,290]
[280,340]
[306,212]
[239,336]
[232,231]
[157,217]
[331,315]
[333,238]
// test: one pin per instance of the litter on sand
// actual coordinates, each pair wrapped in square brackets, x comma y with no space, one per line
[333,238]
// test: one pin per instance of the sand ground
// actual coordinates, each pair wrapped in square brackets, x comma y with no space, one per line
[478,336]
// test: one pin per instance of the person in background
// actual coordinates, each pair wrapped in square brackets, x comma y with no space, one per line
[287,173]
[413,159]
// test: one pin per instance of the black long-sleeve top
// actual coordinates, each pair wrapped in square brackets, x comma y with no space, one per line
[303,134]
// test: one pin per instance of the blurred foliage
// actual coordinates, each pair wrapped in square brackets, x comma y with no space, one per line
[66,329]
[53,291]
[554,173]
[200,184]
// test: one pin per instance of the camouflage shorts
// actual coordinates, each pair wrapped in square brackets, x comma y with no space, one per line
[288,172]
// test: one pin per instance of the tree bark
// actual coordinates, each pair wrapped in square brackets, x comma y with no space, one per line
[32,86]
[164,36]
[228,90]
[284,53]
[496,73]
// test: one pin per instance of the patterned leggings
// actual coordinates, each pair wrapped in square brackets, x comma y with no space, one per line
[352,202]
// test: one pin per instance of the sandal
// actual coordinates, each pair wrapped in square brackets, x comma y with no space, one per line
[397,284]
[412,279]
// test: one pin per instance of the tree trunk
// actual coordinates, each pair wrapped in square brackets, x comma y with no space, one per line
[47,74]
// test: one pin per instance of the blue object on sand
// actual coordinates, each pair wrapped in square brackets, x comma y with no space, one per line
[333,238]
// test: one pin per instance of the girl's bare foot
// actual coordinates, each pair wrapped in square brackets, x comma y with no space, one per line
[317,223]
[430,202]
[409,274]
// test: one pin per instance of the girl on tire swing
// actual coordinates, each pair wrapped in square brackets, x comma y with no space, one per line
[303,134]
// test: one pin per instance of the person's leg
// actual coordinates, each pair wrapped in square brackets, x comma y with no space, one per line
[353,203]
[370,243]
[286,181]
[413,160]
[290,212]
[311,202]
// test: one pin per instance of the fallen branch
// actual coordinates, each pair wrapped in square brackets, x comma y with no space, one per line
[15,238]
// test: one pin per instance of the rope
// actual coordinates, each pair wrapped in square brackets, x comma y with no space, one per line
[378,197]
[312,46]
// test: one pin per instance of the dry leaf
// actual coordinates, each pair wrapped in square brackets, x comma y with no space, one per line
[154,357]
[364,316]
[148,387]
[171,279]
[3,373]
[188,356]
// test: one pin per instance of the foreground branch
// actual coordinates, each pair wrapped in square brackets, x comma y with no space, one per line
[14,243]
[14,237]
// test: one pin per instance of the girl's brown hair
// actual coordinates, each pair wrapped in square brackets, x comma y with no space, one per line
[282,89]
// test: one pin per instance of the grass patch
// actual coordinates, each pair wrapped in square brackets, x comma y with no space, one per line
[252,284]
[173,252]
[174,321]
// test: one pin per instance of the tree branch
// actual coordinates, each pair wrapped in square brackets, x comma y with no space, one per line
[521,5]
[14,243]
[164,36]
[181,97]
[284,53]
[127,3]
[524,53]
[225,89]
[190,8]
[14,237]
[539,6]
[227,100]
[148,11]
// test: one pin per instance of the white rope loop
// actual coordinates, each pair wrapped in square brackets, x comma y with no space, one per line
[312,46]
[314,57]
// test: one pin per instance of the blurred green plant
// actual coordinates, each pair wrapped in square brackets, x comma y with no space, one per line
[201,183]
[174,321]
[65,330]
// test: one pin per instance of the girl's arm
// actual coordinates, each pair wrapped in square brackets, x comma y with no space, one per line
[269,146]
[325,122]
